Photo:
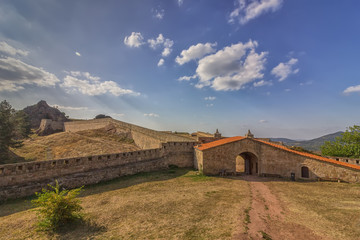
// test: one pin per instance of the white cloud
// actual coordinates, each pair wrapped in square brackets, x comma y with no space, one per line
[84,74]
[247,10]
[352,89]
[263,121]
[14,74]
[154,43]
[262,83]
[287,90]
[10,50]
[166,52]
[187,78]
[161,62]
[77,54]
[160,41]
[151,115]
[283,70]
[232,67]
[210,105]
[134,40]
[195,52]
[180,2]
[69,107]
[158,13]
[87,86]
[210,98]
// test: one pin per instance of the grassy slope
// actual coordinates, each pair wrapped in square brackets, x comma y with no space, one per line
[331,209]
[68,144]
[174,204]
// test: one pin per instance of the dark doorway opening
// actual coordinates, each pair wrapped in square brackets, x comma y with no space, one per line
[247,163]
[304,172]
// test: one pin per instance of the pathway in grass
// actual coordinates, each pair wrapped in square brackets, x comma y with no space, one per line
[267,216]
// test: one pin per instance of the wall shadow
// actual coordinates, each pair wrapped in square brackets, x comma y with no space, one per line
[22,204]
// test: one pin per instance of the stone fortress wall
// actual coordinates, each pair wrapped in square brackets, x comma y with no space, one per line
[24,179]
[143,137]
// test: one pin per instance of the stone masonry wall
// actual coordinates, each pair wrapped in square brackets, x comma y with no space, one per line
[272,161]
[143,137]
[23,179]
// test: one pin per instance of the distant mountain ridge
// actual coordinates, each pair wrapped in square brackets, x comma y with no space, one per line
[311,145]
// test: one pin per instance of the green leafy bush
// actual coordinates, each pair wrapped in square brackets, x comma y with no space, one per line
[57,207]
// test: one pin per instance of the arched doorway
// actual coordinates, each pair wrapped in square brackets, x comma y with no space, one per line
[247,163]
[304,172]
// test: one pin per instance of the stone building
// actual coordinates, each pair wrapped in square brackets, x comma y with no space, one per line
[249,155]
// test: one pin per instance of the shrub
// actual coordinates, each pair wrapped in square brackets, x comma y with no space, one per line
[57,207]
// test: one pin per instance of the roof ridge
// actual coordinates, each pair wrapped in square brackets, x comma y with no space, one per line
[219,142]
[321,158]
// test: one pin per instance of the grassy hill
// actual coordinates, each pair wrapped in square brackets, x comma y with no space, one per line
[311,145]
[73,144]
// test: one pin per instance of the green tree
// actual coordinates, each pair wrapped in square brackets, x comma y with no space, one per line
[348,145]
[14,126]
[57,207]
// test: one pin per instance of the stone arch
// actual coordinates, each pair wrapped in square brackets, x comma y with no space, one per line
[247,163]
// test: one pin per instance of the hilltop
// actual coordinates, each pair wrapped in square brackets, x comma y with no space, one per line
[74,144]
[311,145]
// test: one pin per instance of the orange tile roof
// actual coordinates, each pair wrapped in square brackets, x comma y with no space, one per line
[309,155]
[218,142]
[234,139]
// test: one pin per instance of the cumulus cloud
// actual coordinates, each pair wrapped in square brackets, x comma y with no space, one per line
[232,67]
[210,98]
[134,40]
[283,70]
[151,115]
[161,62]
[70,108]
[187,78]
[84,74]
[195,52]
[247,10]
[352,89]
[10,50]
[74,84]
[160,41]
[77,54]
[158,13]
[14,74]
[262,83]
[180,2]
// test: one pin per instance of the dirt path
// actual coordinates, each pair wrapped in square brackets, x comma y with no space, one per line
[266,218]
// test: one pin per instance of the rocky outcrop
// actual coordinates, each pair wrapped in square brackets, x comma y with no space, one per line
[42,110]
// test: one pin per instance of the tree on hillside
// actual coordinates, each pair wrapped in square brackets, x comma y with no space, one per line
[348,145]
[14,126]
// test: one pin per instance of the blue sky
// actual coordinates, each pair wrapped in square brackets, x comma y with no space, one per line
[281,68]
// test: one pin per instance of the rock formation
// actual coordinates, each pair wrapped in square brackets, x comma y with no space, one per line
[42,110]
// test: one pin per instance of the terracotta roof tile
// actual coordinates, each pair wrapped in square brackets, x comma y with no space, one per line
[234,139]
[218,142]
[309,155]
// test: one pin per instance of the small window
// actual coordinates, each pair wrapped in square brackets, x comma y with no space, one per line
[66,162]
[337,159]
[347,160]
[304,172]
[117,155]
[19,168]
[108,157]
[89,158]
[357,161]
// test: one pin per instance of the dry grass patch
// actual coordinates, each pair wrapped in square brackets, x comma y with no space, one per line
[329,208]
[69,144]
[173,204]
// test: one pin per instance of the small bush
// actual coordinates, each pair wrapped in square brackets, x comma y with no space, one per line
[57,207]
